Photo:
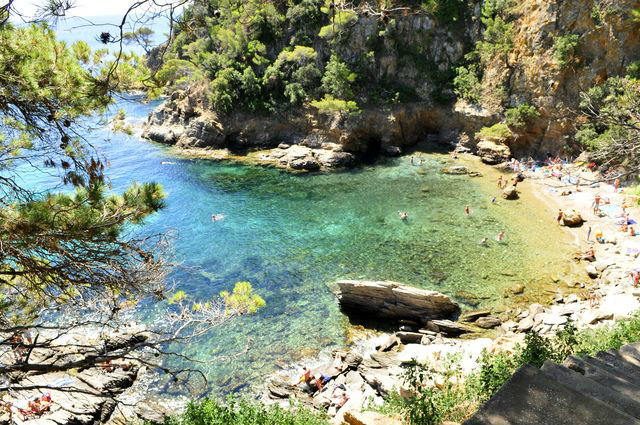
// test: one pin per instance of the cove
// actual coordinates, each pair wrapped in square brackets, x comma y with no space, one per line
[292,236]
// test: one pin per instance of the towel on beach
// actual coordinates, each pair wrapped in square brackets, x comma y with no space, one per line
[632,250]
[63,382]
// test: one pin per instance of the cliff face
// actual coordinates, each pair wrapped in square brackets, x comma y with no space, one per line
[608,40]
[415,54]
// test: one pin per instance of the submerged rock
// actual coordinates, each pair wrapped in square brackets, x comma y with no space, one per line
[456,170]
[392,300]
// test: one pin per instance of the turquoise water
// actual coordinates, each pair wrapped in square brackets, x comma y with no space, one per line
[292,236]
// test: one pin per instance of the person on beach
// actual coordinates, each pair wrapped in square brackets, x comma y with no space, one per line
[467,211]
[500,236]
[403,215]
[632,231]
[560,216]
[599,237]
[306,376]
[578,184]
[596,204]
[635,278]
[616,185]
[588,255]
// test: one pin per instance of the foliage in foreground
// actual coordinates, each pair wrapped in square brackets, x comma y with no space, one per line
[242,412]
[454,399]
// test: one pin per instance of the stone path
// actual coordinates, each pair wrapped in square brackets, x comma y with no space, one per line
[599,390]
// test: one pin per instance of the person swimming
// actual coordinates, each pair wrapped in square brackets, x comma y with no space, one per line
[403,215]
[217,217]
[467,211]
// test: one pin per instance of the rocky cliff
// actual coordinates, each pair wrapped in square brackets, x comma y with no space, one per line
[556,50]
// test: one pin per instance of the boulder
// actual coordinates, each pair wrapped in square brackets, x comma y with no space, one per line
[472,316]
[392,300]
[448,327]
[488,322]
[492,153]
[409,337]
[389,343]
[369,418]
[572,219]
[510,193]
[526,324]
[592,271]
[517,289]
[456,170]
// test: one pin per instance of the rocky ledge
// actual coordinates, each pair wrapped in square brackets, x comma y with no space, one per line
[395,301]
[54,392]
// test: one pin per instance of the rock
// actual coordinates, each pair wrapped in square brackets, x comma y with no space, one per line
[592,317]
[306,163]
[526,324]
[389,343]
[448,327]
[369,418]
[280,389]
[571,298]
[492,153]
[517,289]
[535,309]
[472,316]
[352,360]
[393,300]
[455,170]
[592,271]
[391,150]
[551,319]
[409,337]
[510,193]
[572,219]
[488,322]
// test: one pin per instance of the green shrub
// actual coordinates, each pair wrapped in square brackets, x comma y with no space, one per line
[338,79]
[633,70]
[521,116]
[497,132]
[564,49]
[466,84]
[342,20]
[242,412]
[448,12]
[331,105]
[498,33]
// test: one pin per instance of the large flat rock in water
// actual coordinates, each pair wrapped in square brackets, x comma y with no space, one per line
[394,300]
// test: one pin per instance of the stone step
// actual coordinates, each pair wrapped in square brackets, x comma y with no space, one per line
[632,377]
[632,349]
[627,356]
[532,397]
[593,389]
[619,362]
[603,377]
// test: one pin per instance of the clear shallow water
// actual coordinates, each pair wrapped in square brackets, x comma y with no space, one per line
[291,236]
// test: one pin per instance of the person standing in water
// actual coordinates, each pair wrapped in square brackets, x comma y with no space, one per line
[467,211]
[500,236]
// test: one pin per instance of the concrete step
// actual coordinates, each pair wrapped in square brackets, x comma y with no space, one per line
[532,397]
[593,389]
[603,377]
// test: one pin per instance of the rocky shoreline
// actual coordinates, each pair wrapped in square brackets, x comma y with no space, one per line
[372,368]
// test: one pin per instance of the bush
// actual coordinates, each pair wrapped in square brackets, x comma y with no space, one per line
[448,12]
[466,84]
[498,132]
[331,105]
[564,49]
[242,412]
[342,20]
[633,70]
[521,116]
[338,79]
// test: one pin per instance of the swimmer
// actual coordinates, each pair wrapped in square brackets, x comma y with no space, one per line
[494,200]
[403,215]
[483,242]
[500,236]
[217,217]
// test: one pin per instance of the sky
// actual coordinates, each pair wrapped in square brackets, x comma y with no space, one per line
[84,8]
